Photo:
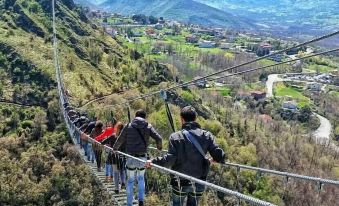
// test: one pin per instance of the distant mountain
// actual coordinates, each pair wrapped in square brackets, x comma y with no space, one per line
[88,3]
[294,16]
[183,10]
[281,17]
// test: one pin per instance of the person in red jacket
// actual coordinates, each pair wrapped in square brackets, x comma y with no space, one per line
[109,131]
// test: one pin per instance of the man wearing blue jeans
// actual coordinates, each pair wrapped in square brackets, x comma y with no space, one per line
[135,136]
[187,151]
[135,170]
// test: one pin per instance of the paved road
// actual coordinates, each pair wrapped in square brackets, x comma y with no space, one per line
[272,78]
[323,133]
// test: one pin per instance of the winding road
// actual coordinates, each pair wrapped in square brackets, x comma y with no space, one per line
[323,133]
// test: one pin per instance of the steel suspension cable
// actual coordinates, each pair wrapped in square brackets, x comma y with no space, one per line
[235,67]
[273,65]
[71,127]
[275,172]
[207,184]
[260,58]
[163,95]
[246,198]
[143,96]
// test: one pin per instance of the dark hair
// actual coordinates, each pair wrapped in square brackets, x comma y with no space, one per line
[140,113]
[99,125]
[188,114]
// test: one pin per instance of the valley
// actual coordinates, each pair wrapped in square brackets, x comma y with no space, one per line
[265,118]
[284,18]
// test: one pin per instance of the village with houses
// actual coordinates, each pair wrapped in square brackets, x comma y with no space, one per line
[292,94]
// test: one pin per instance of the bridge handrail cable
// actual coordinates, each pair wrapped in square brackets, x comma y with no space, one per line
[275,172]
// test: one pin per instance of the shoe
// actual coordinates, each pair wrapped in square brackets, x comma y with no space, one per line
[99,170]
[107,179]
[141,203]
[123,186]
[116,191]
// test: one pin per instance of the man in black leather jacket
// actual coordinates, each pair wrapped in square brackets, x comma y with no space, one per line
[185,157]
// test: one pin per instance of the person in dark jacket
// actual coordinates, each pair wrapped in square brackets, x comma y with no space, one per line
[88,144]
[136,137]
[98,129]
[109,141]
[118,161]
[185,156]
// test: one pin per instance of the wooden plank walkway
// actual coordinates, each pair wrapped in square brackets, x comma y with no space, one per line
[119,199]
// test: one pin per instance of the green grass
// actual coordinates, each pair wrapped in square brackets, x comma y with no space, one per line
[334,93]
[187,96]
[320,68]
[224,91]
[266,62]
[281,90]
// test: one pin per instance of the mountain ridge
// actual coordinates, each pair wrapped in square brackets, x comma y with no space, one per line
[187,11]
[292,16]
[281,17]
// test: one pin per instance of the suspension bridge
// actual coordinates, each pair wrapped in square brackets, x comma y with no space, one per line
[120,199]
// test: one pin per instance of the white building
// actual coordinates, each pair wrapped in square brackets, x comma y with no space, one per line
[314,86]
[207,44]
[225,46]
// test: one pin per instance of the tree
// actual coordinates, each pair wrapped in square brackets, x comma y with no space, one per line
[71,64]
[176,29]
[95,54]
[112,61]
[263,76]
[305,114]
[141,18]
[153,20]
[170,48]
[1,91]
[39,127]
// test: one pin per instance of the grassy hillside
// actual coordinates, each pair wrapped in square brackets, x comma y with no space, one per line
[37,162]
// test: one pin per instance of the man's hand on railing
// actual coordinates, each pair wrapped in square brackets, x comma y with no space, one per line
[148,164]
[212,161]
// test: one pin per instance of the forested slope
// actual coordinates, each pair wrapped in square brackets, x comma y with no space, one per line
[37,164]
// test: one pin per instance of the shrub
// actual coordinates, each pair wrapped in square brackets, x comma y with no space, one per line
[187,96]
[27,124]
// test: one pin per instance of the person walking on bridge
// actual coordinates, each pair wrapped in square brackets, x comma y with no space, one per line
[187,154]
[135,136]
